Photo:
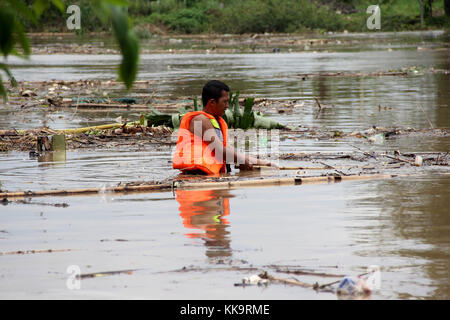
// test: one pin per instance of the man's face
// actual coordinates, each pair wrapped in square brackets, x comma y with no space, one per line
[218,107]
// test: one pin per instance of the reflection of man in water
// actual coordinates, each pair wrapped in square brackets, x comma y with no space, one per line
[204,210]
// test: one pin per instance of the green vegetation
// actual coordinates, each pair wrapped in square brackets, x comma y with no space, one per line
[259,16]
[403,15]
[238,119]
[256,16]
[234,116]
[205,16]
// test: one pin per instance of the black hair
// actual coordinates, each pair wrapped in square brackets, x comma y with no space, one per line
[213,90]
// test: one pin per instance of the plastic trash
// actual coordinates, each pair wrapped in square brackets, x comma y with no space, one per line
[373,281]
[418,161]
[358,285]
[378,138]
[254,279]
[353,286]
[370,131]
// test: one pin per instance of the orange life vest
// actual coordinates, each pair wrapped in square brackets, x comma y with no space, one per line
[192,153]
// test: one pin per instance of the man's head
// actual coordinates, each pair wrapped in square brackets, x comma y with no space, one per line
[215,96]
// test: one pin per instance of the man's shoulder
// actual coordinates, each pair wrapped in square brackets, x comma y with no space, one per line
[200,116]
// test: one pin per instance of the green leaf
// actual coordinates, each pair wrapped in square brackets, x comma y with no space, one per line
[248,105]
[157,112]
[5,68]
[122,3]
[2,90]
[248,118]
[176,120]
[266,123]
[129,46]
[7,21]
[143,121]
[236,103]
[195,104]
[230,101]
[59,4]
[229,118]
[184,110]
[39,6]
[22,38]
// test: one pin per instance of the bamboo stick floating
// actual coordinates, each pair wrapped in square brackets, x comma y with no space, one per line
[101,127]
[107,106]
[13,132]
[85,191]
[198,185]
[310,168]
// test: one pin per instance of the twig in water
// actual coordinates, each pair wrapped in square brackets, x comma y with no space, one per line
[76,109]
[310,273]
[267,276]
[399,159]
[106,273]
[431,125]
[317,286]
[318,103]
[34,251]
[366,153]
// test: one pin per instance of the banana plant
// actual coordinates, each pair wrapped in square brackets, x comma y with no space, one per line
[234,116]
[237,119]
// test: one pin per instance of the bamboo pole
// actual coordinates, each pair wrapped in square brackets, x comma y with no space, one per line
[311,168]
[84,191]
[20,252]
[106,105]
[198,185]
[367,177]
[12,132]
[101,127]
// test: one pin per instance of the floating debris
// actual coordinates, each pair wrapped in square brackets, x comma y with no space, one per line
[34,251]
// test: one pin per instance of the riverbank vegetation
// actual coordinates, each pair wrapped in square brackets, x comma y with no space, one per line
[260,16]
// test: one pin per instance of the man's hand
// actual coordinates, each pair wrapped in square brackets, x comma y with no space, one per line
[266,163]
[256,162]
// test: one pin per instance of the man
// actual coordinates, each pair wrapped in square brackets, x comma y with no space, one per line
[202,139]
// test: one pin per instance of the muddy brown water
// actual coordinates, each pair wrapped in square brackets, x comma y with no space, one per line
[402,224]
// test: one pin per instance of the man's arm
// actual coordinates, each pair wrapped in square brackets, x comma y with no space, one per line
[201,126]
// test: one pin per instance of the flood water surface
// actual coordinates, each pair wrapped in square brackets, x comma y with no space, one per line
[401,225]
[222,236]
